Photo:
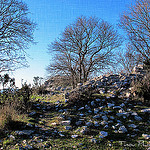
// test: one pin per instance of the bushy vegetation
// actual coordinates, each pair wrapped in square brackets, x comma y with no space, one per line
[141,89]
[13,102]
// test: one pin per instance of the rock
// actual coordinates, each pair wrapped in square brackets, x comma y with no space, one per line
[74,136]
[66,123]
[96,124]
[137,118]
[132,126]
[32,114]
[104,123]
[68,127]
[79,122]
[89,124]
[24,132]
[96,116]
[81,108]
[146,110]
[94,141]
[96,110]
[110,105]
[92,103]
[105,118]
[122,129]
[116,107]
[146,136]
[60,134]
[84,130]
[103,134]
[12,137]
[112,117]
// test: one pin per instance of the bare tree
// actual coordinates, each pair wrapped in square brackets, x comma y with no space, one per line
[128,58]
[136,22]
[84,47]
[16,32]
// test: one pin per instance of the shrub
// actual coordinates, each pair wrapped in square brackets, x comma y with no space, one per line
[141,89]
[7,115]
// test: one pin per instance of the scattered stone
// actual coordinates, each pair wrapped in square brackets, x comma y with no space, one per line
[122,129]
[74,136]
[103,134]
[137,118]
[68,127]
[105,118]
[89,124]
[66,123]
[132,126]
[146,136]
[24,132]
[146,110]
[94,141]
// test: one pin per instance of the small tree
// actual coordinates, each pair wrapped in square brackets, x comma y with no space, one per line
[128,59]
[136,22]
[16,32]
[84,47]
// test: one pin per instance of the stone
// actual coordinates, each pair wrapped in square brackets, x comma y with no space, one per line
[84,130]
[132,126]
[105,118]
[110,105]
[66,123]
[98,100]
[79,122]
[24,132]
[96,116]
[81,108]
[94,141]
[104,123]
[112,117]
[146,110]
[32,114]
[96,124]
[92,103]
[74,136]
[96,110]
[61,135]
[137,118]
[146,136]
[116,107]
[122,129]
[89,124]
[68,127]
[103,134]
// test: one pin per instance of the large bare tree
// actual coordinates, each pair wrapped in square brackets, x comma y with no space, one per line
[16,32]
[136,22]
[83,48]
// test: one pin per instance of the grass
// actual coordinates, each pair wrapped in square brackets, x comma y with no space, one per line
[84,141]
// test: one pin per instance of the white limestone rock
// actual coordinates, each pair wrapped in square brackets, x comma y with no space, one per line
[146,136]
[132,126]
[74,136]
[105,118]
[103,134]
[122,129]
[66,123]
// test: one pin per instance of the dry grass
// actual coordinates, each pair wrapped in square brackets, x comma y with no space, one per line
[7,115]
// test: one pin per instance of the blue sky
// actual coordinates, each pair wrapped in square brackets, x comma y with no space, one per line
[52,16]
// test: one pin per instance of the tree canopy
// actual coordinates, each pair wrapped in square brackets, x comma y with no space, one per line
[136,22]
[83,48]
[16,32]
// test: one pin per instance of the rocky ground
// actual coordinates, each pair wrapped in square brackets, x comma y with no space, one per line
[105,120]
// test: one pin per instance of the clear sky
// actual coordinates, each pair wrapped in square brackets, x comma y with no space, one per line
[52,16]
